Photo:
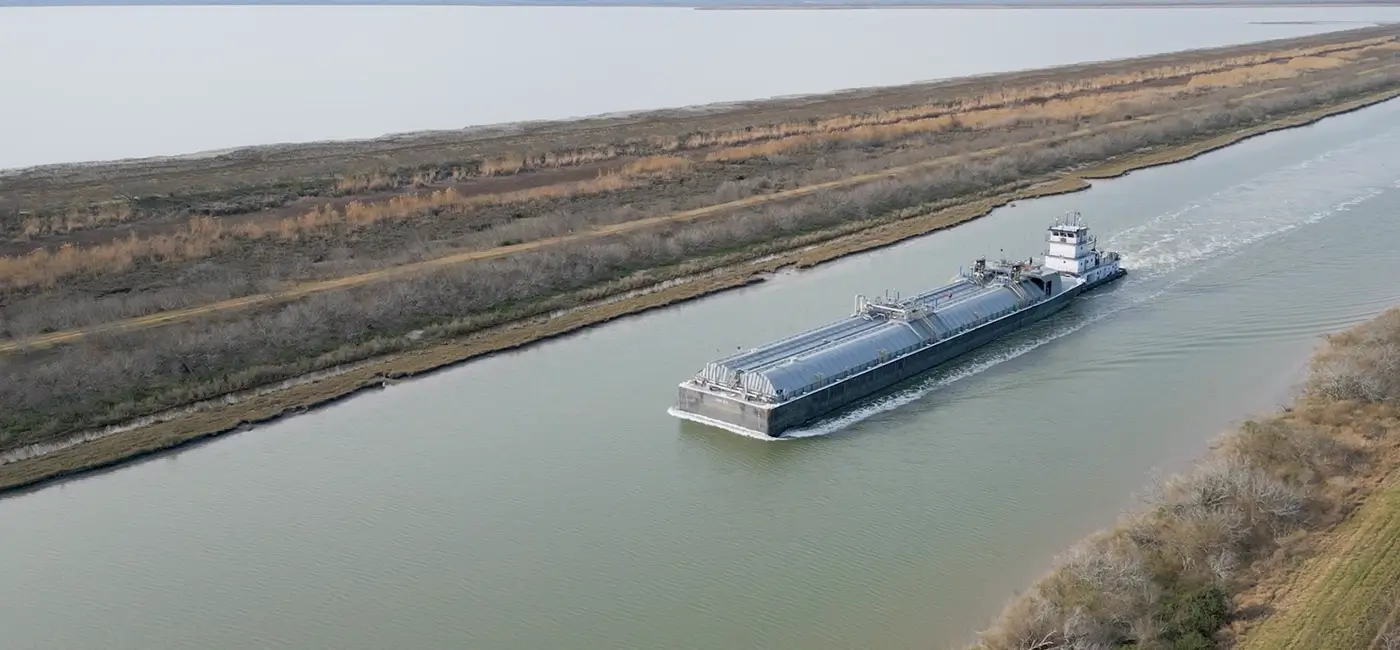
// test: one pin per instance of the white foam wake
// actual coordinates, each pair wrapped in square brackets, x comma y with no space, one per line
[719,424]
[1169,246]
[1191,243]
[1214,245]
[1256,208]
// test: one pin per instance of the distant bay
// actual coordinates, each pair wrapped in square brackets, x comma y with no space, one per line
[101,83]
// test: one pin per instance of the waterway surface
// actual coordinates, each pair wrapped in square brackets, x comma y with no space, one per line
[96,83]
[544,499]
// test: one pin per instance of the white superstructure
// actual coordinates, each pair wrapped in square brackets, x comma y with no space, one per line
[1073,251]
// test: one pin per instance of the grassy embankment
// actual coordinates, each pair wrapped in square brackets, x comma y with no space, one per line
[1214,559]
[387,272]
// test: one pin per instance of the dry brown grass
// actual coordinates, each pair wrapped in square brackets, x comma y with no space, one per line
[1264,72]
[932,117]
[380,180]
[1342,596]
[731,270]
[359,214]
[365,183]
[1207,74]
[123,254]
[1364,52]
[203,235]
[977,119]
[502,165]
[77,218]
[600,306]
[519,162]
[473,278]
[43,267]
[656,165]
[928,116]
[174,190]
[1163,577]
[1060,101]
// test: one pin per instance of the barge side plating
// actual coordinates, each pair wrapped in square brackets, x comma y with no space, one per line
[792,381]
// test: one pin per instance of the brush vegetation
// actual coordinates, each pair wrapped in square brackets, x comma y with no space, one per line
[605,208]
[1185,572]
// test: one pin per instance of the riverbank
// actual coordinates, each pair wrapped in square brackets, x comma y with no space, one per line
[230,413]
[1284,536]
[221,365]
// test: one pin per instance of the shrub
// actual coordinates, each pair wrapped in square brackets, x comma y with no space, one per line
[1163,578]
[1186,619]
[1362,364]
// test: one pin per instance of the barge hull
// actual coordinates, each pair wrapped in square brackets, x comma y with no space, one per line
[773,420]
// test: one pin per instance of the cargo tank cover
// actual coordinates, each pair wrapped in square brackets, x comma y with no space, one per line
[879,331]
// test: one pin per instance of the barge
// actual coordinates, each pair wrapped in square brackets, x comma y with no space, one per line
[793,381]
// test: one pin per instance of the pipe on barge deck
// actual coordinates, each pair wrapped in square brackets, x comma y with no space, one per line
[793,381]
